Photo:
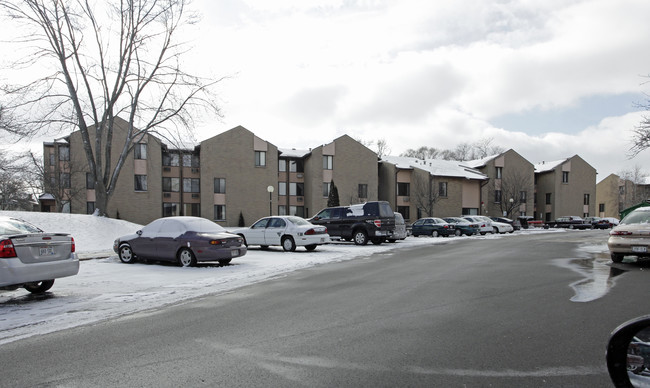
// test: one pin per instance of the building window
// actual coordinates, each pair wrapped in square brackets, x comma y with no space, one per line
[442,189]
[170,209]
[522,196]
[297,211]
[64,180]
[282,165]
[64,153]
[548,199]
[565,177]
[547,217]
[601,207]
[170,159]
[404,211]
[282,210]
[90,183]
[191,160]
[90,207]
[297,189]
[52,159]
[499,172]
[220,185]
[326,189]
[140,182]
[171,184]
[260,158]
[328,162]
[363,190]
[219,212]
[282,188]
[497,196]
[191,185]
[192,209]
[140,151]
[296,166]
[403,189]
[586,199]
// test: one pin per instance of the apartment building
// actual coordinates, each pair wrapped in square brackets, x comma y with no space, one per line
[418,188]
[564,188]
[608,196]
[510,187]
[232,176]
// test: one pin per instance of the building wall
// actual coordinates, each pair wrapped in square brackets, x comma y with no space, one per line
[607,197]
[231,155]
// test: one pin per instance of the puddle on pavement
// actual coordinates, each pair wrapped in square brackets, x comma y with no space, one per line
[598,275]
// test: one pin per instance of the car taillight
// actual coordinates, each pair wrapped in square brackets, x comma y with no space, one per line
[446,226]
[377,223]
[620,233]
[72,247]
[216,242]
[310,232]
[7,249]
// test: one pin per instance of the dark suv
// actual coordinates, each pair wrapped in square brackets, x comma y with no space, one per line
[374,221]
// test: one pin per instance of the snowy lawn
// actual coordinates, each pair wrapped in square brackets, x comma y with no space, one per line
[105,288]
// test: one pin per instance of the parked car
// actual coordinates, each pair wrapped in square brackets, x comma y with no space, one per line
[374,221]
[569,222]
[432,226]
[286,231]
[400,228]
[612,221]
[185,240]
[484,223]
[33,259]
[598,223]
[502,227]
[516,224]
[463,226]
[631,236]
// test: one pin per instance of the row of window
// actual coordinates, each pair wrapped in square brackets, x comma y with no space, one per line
[404,189]
[498,196]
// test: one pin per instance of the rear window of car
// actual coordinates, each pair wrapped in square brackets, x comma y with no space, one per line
[637,217]
[16,227]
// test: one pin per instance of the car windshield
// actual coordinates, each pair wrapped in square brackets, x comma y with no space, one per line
[637,217]
[201,225]
[297,221]
[14,226]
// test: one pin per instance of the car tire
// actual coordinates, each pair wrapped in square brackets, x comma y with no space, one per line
[288,244]
[434,233]
[186,258]
[310,247]
[126,254]
[571,227]
[458,233]
[360,237]
[495,230]
[617,257]
[39,287]
[224,261]
[377,240]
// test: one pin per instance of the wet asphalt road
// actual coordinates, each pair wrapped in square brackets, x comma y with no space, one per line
[475,313]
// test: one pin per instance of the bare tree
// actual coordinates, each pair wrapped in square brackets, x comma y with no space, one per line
[15,191]
[485,147]
[111,59]
[424,193]
[423,153]
[634,188]
[382,148]
[511,191]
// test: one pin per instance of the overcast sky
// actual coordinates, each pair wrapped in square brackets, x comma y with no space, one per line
[549,79]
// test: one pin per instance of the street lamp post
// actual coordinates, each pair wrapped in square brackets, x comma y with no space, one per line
[270,189]
[509,207]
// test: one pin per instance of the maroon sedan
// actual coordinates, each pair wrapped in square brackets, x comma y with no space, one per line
[186,240]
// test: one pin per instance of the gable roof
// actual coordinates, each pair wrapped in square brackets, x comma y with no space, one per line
[436,167]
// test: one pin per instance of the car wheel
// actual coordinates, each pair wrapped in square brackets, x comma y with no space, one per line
[617,257]
[495,230]
[310,247]
[571,226]
[288,244]
[360,237]
[126,254]
[224,261]
[458,232]
[39,287]
[186,258]
[434,233]
[377,240]
[391,240]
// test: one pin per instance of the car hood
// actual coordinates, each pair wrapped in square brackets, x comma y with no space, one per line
[127,237]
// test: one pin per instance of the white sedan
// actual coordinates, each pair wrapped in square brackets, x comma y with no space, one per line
[502,227]
[286,231]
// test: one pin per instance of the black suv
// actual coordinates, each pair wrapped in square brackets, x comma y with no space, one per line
[374,221]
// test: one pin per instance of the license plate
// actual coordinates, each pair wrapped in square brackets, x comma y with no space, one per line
[640,249]
[49,251]
[234,252]
[322,239]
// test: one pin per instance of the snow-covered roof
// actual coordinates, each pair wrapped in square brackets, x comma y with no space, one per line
[476,163]
[293,153]
[436,167]
[548,166]
[46,196]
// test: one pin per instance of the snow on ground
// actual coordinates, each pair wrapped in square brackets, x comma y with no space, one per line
[105,288]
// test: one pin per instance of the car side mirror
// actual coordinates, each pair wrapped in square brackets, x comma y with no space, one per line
[315,218]
[628,353]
